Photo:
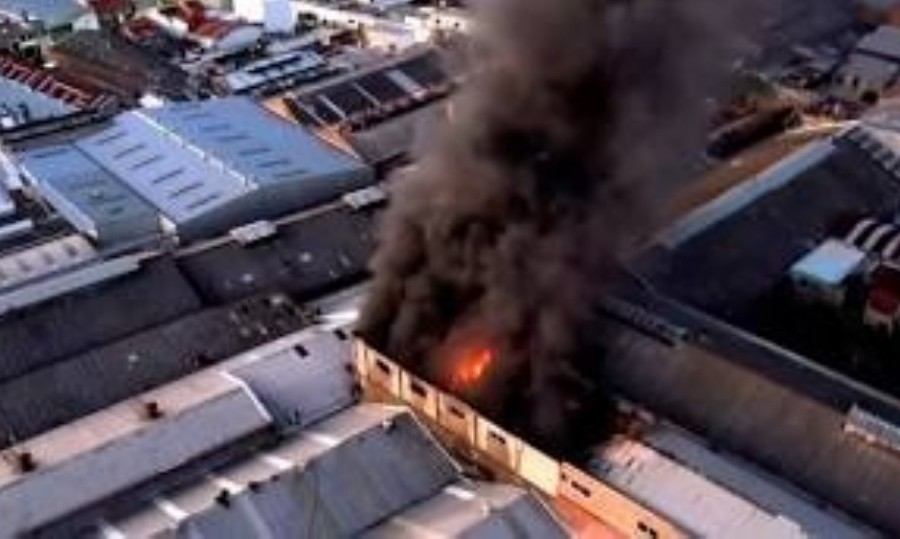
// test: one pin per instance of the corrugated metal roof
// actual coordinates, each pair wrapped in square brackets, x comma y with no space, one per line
[303,384]
[729,472]
[87,194]
[43,258]
[885,40]
[305,257]
[181,182]
[737,252]
[195,159]
[762,417]
[90,460]
[38,336]
[700,505]
[335,479]
[475,511]
[258,145]
[84,383]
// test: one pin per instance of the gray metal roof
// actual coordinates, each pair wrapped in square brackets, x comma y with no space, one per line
[52,12]
[38,336]
[732,473]
[87,194]
[739,253]
[884,41]
[698,503]
[474,511]
[258,145]
[304,384]
[365,472]
[751,413]
[89,460]
[81,384]
[306,257]
[44,258]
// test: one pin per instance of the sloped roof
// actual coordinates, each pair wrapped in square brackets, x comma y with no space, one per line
[260,146]
[92,459]
[73,181]
[475,511]
[178,181]
[303,384]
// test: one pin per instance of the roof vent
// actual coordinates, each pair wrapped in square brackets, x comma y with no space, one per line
[223,498]
[302,350]
[152,410]
[340,334]
[24,462]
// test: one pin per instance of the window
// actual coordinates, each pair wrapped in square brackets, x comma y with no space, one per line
[646,532]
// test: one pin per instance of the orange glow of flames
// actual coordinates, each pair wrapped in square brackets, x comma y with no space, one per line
[471,368]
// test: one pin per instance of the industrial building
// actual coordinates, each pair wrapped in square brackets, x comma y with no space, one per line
[189,170]
[147,319]
[374,112]
[275,73]
[873,66]
[268,443]
[725,276]
[658,482]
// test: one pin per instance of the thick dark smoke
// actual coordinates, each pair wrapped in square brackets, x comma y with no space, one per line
[578,117]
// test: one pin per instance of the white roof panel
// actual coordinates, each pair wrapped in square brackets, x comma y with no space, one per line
[830,263]
[704,507]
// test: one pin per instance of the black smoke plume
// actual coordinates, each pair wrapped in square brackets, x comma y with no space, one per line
[576,119]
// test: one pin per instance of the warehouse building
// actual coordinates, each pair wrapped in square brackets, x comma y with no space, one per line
[266,444]
[202,168]
[375,112]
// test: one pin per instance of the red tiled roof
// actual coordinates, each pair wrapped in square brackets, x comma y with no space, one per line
[45,82]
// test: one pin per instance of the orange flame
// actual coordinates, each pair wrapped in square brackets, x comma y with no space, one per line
[471,368]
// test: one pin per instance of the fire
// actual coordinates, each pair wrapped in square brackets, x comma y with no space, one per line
[471,368]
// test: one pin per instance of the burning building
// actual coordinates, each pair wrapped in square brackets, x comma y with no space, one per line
[501,238]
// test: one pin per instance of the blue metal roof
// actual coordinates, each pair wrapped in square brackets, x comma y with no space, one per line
[251,140]
[181,182]
[73,182]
